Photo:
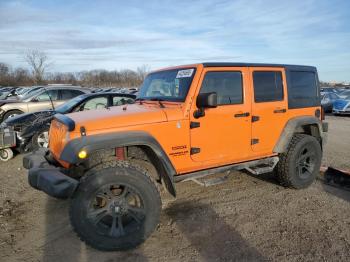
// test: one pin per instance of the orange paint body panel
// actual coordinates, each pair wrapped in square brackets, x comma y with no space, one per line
[224,137]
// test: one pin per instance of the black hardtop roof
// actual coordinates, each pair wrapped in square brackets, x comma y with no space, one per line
[238,64]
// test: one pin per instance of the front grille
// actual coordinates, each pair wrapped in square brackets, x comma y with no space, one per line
[7,137]
[58,132]
[339,104]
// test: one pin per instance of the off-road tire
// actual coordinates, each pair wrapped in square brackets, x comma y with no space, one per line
[288,167]
[11,113]
[116,173]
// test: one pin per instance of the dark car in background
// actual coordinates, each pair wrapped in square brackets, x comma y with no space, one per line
[32,128]
[327,100]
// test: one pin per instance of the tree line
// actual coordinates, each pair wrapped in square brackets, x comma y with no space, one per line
[38,73]
[39,64]
[94,78]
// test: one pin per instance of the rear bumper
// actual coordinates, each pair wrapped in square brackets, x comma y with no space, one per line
[47,177]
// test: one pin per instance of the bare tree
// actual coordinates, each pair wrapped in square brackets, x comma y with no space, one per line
[142,72]
[38,63]
[4,74]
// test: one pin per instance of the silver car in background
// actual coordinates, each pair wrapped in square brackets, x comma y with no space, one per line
[45,98]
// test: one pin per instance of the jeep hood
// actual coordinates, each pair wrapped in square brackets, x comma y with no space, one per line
[118,116]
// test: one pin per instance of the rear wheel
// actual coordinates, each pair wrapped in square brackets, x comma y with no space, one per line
[299,166]
[116,207]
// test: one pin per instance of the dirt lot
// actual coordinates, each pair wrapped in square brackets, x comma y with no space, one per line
[248,218]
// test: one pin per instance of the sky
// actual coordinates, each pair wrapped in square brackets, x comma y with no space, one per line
[106,34]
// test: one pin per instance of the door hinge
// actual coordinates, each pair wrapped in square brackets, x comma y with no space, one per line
[255,141]
[195,150]
[195,125]
[255,118]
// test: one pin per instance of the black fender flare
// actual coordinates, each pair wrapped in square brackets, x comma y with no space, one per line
[92,143]
[295,125]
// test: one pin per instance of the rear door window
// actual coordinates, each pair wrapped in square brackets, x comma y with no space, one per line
[302,89]
[46,95]
[69,94]
[268,86]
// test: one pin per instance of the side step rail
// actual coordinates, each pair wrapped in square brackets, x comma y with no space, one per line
[263,169]
[210,182]
[268,164]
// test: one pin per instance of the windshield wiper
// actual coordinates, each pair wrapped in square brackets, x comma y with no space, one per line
[159,101]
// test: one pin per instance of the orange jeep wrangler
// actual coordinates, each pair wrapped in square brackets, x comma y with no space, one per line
[188,122]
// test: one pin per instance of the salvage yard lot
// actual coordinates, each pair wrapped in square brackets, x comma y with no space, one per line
[247,218]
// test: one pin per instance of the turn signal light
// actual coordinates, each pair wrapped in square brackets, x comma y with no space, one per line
[82,154]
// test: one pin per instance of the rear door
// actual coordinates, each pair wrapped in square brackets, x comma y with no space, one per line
[269,107]
[223,133]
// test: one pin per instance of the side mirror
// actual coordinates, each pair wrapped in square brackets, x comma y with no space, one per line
[205,100]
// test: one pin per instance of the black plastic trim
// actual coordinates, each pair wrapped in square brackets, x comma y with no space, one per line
[255,118]
[238,64]
[293,126]
[195,124]
[195,150]
[112,140]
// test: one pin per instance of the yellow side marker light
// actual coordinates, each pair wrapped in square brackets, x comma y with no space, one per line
[82,154]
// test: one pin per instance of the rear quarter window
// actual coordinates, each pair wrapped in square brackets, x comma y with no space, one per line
[303,89]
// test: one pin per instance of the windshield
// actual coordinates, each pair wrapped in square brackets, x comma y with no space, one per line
[30,93]
[67,107]
[169,85]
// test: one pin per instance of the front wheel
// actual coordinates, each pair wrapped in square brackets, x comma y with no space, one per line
[40,139]
[6,154]
[299,166]
[11,114]
[116,207]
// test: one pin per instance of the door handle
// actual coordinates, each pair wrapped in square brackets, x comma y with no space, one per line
[280,110]
[245,114]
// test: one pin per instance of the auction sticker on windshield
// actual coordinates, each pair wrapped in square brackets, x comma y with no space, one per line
[185,73]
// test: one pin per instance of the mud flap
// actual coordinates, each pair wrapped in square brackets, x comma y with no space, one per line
[337,177]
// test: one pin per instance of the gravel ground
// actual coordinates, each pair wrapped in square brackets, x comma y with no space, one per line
[246,219]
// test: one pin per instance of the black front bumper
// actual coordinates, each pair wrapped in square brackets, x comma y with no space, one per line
[47,177]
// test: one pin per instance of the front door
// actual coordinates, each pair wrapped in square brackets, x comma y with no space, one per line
[223,134]
[43,101]
[269,107]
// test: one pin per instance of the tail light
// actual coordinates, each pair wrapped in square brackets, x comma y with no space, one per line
[322,114]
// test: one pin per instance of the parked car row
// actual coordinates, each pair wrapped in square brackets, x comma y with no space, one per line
[27,121]
[335,100]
